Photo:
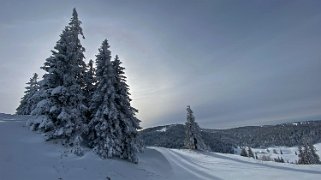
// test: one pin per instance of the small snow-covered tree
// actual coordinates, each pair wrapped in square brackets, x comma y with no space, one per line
[279,159]
[304,155]
[308,155]
[28,101]
[62,86]
[129,124]
[301,155]
[193,137]
[251,154]
[244,152]
[315,159]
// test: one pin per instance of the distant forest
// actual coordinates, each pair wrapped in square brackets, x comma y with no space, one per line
[290,134]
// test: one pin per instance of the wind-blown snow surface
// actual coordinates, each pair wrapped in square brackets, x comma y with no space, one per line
[25,155]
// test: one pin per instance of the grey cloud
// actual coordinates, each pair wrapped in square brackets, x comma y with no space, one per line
[235,62]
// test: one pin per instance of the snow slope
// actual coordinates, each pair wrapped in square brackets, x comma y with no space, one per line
[25,156]
[162,130]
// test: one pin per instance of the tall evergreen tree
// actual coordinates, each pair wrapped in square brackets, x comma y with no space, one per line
[112,131]
[81,103]
[128,121]
[28,101]
[62,86]
[193,137]
[90,80]
[104,128]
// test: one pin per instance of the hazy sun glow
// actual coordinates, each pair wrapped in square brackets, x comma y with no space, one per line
[235,63]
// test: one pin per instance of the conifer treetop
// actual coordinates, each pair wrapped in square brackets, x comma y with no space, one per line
[75,23]
[103,59]
[27,102]
[190,116]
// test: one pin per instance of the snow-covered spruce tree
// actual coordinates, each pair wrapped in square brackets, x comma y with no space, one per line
[128,122]
[193,137]
[104,132]
[28,101]
[308,155]
[62,86]
[90,82]
[301,155]
[251,154]
[315,159]
[279,159]
[244,152]
[112,131]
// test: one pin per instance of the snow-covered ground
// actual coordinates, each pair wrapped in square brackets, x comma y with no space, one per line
[289,154]
[25,155]
[162,129]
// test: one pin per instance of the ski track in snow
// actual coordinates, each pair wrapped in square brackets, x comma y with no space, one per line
[187,165]
[25,155]
[207,165]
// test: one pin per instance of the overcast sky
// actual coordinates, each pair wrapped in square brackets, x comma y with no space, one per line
[236,62]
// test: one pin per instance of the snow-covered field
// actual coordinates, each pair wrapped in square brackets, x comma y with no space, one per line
[25,156]
[289,154]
